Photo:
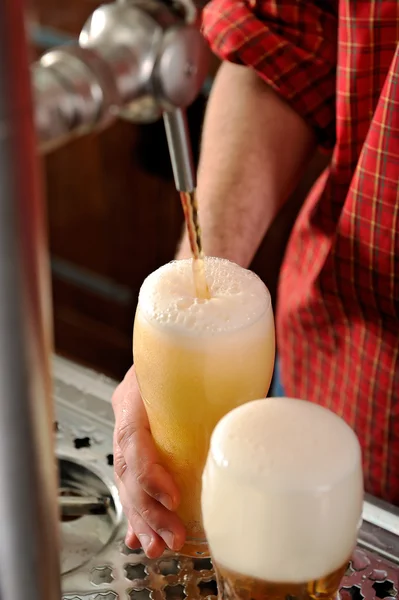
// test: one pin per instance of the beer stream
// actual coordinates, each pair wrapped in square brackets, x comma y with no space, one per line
[190,208]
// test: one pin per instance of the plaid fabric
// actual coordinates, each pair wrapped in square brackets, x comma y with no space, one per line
[337,63]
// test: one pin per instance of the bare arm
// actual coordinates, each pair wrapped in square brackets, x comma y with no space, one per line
[254,148]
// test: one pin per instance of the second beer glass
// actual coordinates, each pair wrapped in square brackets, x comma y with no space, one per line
[282,501]
[195,361]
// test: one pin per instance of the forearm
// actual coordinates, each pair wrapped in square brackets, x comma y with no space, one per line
[254,147]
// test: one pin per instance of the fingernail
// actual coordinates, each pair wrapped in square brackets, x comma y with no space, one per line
[167,537]
[145,541]
[166,501]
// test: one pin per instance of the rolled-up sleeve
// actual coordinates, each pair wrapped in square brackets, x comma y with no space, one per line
[291,44]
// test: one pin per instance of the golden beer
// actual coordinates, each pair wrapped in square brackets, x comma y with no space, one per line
[196,360]
[234,586]
[282,500]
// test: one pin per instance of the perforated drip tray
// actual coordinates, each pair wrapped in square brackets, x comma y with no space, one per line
[85,537]
[97,565]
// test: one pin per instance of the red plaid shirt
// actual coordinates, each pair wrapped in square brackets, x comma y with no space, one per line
[337,63]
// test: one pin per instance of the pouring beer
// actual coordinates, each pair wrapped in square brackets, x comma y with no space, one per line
[196,359]
[282,501]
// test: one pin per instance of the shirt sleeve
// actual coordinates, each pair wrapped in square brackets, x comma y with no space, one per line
[291,44]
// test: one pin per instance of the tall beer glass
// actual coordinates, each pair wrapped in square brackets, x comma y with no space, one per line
[195,361]
[282,500]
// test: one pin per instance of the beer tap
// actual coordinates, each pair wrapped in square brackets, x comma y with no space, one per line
[137,60]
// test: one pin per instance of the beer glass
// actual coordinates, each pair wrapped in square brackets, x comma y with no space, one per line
[196,360]
[282,500]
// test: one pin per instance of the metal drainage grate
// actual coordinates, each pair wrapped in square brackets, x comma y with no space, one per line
[113,572]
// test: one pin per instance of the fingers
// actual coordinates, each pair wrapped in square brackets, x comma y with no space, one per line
[147,491]
[146,516]
[140,534]
[165,523]
[141,461]
[133,437]
[131,539]
[152,545]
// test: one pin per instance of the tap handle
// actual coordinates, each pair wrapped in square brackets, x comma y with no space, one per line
[135,59]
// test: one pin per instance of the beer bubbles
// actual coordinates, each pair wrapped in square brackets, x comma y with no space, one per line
[196,359]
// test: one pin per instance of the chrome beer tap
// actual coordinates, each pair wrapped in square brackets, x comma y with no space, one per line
[137,60]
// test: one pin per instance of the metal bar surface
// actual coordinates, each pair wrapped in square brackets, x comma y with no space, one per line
[29,557]
[83,407]
[382,514]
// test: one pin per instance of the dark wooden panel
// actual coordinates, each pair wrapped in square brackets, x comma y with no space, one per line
[114,215]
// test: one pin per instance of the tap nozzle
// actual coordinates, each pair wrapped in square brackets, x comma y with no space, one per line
[180,150]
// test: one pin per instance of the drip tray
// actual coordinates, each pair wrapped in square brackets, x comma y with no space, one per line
[83,538]
[97,565]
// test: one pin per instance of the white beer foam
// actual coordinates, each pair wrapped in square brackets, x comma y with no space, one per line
[282,491]
[238,298]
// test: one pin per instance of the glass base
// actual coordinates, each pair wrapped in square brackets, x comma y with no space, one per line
[195,549]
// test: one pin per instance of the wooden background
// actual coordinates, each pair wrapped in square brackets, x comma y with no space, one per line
[114,216]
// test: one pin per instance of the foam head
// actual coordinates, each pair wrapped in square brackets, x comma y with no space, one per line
[282,491]
[238,298]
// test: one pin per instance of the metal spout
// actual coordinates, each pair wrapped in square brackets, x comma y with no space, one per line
[180,150]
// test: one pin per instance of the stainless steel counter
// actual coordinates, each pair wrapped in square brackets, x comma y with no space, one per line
[96,564]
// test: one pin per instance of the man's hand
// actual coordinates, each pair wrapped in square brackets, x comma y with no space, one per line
[147,491]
